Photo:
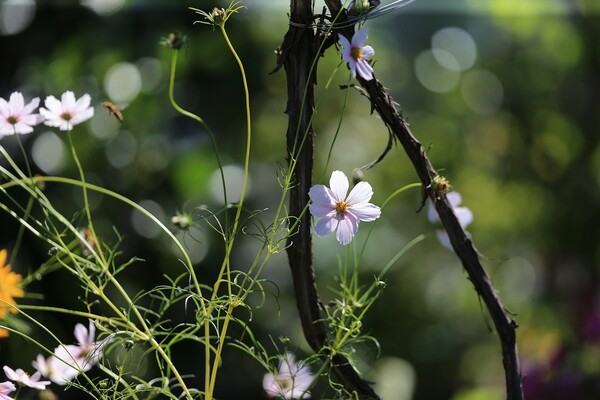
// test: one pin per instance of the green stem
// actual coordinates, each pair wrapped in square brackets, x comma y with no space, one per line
[226,268]
[196,118]
[86,203]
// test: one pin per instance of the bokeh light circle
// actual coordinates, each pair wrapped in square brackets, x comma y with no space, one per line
[122,150]
[457,42]
[123,82]
[16,16]
[433,75]
[48,152]
[234,177]
[143,225]
[482,91]
[103,7]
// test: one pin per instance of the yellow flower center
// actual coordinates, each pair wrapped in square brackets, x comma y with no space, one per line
[356,53]
[341,207]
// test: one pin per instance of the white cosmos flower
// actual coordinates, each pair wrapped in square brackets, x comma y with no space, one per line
[67,112]
[69,360]
[16,117]
[355,54]
[340,213]
[463,214]
[23,378]
[291,381]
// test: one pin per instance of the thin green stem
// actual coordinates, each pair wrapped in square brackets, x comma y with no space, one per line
[226,267]
[86,203]
[198,119]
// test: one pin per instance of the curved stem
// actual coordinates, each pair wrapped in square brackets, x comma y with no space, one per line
[196,118]
[225,268]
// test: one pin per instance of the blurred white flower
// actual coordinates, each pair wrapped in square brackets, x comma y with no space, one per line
[291,382]
[463,214]
[5,389]
[355,53]
[16,117]
[69,360]
[22,377]
[54,369]
[338,212]
[67,112]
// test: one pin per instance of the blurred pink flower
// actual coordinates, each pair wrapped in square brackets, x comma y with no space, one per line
[69,360]
[338,212]
[5,389]
[291,382]
[463,214]
[22,377]
[16,117]
[355,53]
[67,112]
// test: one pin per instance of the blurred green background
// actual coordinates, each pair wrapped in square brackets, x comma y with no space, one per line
[503,94]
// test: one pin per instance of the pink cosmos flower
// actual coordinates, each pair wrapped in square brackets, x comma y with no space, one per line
[69,360]
[16,117]
[23,378]
[291,382]
[338,212]
[5,389]
[355,52]
[67,112]
[463,214]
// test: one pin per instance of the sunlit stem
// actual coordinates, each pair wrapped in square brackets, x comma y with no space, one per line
[86,203]
[15,251]
[226,267]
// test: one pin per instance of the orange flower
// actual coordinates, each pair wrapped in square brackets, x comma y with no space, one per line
[9,286]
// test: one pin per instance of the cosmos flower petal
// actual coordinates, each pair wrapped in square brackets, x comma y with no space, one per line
[365,212]
[360,193]
[52,104]
[359,38]
[82,116]
[32,105]
[68,100]
[464,216]
[443,238]
[16,102]
[454,198]
[346,45]
[322,199]
[4,108]
[339,185]
[326,225]
[6,388]
[365,70]
[346,229]
[432,214]
[367,52]
[82,103]
[81,333]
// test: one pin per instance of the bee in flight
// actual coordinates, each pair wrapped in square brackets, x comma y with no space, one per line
[113,109]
